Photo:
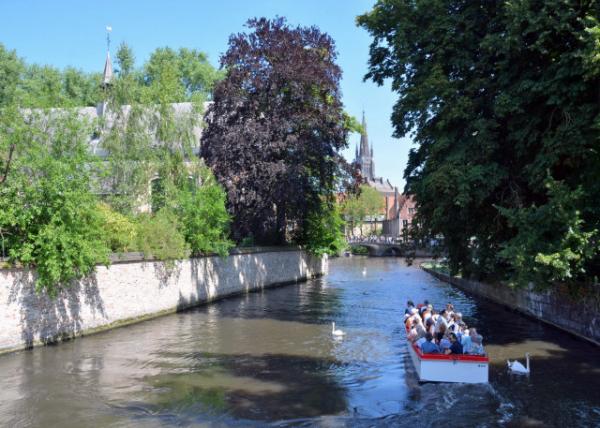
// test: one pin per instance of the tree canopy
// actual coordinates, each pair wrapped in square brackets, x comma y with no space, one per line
[275,128]
[362,205]
[503,101]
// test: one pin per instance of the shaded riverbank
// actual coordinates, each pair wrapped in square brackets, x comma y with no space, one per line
[268,357]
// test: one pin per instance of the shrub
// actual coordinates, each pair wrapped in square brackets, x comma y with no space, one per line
[47,211]
[120,232]
[158,236]
[204,218]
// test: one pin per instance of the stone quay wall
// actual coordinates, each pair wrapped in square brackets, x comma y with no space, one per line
[133,289]
[578,315]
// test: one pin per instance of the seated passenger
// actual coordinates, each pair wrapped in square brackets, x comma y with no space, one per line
[467,339]
[428,347]
[430,326]
[455,347]
[440,333]
[409,305]
[445,343]
[477,347]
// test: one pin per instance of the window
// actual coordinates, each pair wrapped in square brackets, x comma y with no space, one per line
[404,224]
[411,211]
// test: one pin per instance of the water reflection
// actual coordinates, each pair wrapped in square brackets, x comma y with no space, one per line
[270,357]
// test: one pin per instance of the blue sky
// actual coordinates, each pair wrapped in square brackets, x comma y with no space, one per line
[69,32]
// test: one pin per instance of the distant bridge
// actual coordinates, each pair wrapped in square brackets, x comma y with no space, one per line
[398,249]
[381,248]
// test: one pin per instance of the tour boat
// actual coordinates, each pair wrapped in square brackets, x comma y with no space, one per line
[448,368]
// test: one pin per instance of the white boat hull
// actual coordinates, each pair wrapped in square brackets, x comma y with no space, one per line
[449,368]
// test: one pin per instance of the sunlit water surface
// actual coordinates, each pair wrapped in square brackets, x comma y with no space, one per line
[269,358]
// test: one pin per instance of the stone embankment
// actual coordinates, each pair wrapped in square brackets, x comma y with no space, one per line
[133,289]
[578,315]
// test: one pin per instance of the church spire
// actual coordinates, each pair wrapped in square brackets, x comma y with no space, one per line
[364,138]
[108,69]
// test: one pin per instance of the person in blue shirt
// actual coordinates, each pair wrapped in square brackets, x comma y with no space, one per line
[455,347]
[429,347]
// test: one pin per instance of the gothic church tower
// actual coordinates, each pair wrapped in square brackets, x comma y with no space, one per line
[364,154]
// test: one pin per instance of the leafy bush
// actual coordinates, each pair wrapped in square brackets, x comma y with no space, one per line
[359,250]
[48,214]
[204,218]
[158,236]
[120,233]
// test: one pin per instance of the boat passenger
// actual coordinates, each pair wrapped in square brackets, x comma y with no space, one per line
[409,305]
[445,343]
[440,333]
[428,347]
[441,320]
[461,327]
[420,329]
[449,308]
[455,347]
[477,347]
[467,339]
[430,326]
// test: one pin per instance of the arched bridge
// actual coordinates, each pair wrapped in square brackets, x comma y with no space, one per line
[380,248]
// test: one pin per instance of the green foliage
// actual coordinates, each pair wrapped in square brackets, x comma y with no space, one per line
[204,218]
[120,233]
[551,245]
[158,236]
[323,231]
[367,203]
[11,68]
[125,59]
[48,216]
[499,96]
[359,250]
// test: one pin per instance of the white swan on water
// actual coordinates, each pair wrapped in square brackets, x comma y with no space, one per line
[336,332]
[364,272]
[517,367]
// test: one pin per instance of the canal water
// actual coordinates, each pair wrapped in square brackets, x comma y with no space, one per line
[268,358]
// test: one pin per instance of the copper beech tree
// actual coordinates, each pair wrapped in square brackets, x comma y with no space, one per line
[275,128]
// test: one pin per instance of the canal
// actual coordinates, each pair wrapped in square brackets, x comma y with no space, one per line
[269,358]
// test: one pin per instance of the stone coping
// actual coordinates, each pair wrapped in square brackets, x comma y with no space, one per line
[132,257]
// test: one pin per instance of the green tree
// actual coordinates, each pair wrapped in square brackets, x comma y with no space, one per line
[11,69]
[323,230]
[367,203]
[277,125]
[502,98]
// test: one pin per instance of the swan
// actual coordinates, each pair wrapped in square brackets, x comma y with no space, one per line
[517,367]
[364,272]
[336,332]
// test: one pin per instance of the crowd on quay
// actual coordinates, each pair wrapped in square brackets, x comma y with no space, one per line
[441,332]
